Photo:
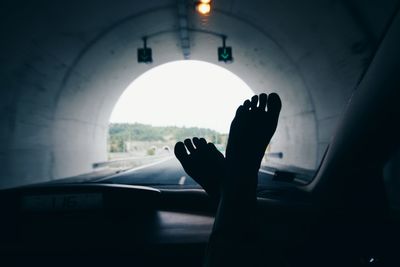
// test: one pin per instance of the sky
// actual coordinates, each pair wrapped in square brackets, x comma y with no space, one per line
[183,93]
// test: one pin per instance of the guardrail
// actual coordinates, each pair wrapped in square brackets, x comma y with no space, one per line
[128,162]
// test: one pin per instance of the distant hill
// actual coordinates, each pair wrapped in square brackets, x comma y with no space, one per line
[123,132]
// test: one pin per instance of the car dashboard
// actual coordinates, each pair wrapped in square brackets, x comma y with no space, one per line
[88,224]
[106,223]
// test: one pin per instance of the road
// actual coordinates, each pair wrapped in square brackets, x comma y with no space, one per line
[167,171]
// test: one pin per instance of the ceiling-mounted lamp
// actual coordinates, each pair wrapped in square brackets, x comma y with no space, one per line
[203,7]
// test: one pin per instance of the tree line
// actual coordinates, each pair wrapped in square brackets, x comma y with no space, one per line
[124,132]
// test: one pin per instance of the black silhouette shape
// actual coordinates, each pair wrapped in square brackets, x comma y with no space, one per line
[233,181]
[250,133]
[205,164]
[233,241]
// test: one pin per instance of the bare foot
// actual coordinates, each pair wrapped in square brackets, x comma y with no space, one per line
[205,164]
[250,133]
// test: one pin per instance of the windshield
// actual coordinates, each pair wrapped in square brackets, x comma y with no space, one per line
[110,90]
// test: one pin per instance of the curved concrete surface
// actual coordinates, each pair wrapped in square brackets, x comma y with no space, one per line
[65,64]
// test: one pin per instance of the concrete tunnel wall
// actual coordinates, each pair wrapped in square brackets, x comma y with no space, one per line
[64,67]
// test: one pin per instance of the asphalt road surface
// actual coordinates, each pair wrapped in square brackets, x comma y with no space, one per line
[167,171]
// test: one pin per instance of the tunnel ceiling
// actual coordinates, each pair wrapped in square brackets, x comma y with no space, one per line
[66,63]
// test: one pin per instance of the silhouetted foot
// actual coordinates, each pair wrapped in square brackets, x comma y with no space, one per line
[205,164]
[250,133]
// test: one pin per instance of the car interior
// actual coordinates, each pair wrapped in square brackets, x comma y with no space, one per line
[346,213]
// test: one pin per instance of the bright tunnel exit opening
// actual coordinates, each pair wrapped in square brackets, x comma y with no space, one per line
[171,102]
[185,93]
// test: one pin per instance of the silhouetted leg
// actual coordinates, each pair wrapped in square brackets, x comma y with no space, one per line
[204,163]
[234,238]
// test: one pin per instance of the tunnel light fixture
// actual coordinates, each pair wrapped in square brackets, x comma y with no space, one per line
[225,52]
[203,7]
[144,55]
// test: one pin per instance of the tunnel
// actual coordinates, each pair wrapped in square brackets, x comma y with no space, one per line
[64,65]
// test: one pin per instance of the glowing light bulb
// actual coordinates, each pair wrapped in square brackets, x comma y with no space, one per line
[205,1]
[203,8]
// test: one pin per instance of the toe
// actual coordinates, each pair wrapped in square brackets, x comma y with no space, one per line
[239,110]
[189,145]
[274,103]
[246,104]
[180,152]
[211,146]
[199,142]
[202,142]
[196,142]
[253,103]
[262,103]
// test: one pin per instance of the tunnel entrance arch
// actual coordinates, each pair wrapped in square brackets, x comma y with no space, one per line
[108,65]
